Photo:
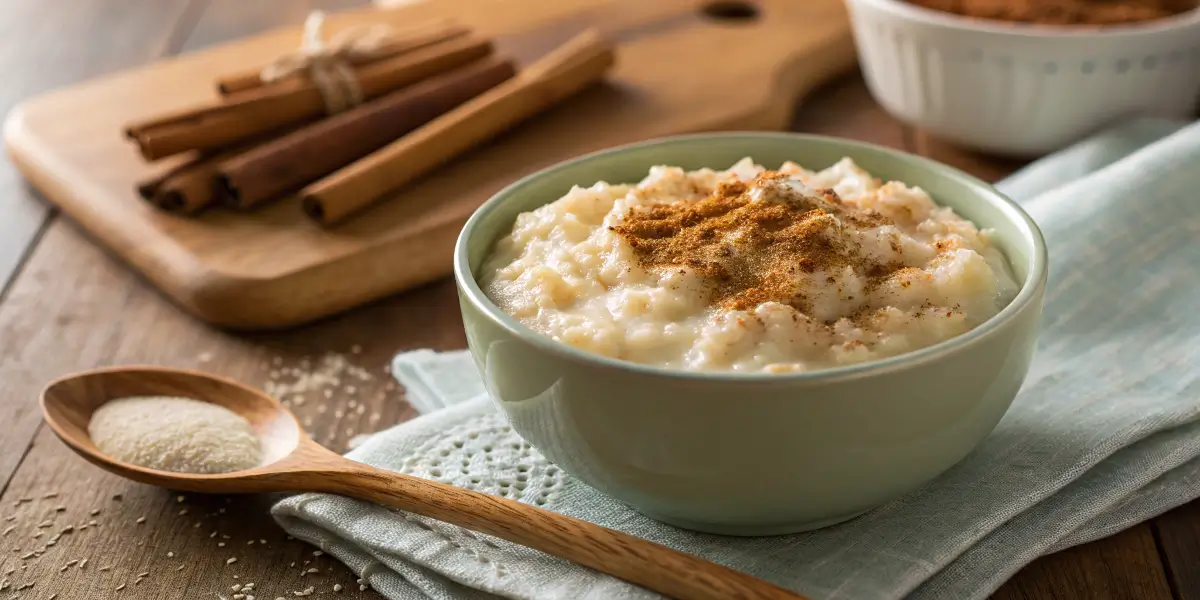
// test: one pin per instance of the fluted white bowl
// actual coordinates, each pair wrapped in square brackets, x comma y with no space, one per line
[1019,89]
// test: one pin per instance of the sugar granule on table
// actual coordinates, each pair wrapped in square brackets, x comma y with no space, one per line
[325,375]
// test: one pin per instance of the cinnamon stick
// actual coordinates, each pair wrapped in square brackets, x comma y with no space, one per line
[402,42]
[568,69]
[189,187]
[288,163]
[291,102]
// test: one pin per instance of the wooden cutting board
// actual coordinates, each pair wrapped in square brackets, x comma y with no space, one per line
[683,66]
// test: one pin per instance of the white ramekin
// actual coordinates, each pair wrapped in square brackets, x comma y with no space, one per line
[1022,90]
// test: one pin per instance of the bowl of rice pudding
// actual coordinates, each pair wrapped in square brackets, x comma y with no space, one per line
[751,333]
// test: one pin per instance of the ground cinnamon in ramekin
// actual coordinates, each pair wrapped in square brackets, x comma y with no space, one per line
[1063,12]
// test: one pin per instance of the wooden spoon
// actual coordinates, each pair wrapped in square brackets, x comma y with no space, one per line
[293,462]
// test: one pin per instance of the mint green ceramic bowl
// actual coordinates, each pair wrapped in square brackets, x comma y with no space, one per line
[754,454]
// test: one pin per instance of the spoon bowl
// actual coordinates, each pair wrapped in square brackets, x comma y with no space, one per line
[68,404]
[293,462]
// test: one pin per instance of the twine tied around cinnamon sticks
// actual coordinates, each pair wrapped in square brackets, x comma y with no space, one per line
[328,65]
[425,94]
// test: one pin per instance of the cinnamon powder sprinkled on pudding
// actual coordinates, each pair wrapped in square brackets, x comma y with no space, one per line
[1063,12]
[751,243]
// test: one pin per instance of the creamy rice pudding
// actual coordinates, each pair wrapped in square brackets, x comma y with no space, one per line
[748,269]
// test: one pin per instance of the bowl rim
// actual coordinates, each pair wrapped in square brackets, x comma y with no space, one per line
[1035,279]
[904,9]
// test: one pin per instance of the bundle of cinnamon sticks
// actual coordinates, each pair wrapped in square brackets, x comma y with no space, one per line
[412,101]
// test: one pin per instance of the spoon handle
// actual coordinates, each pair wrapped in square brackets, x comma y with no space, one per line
[633,559]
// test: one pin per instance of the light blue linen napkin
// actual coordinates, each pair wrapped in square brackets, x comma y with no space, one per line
[1104,434]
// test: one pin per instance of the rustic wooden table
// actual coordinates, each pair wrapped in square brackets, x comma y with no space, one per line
[66,305]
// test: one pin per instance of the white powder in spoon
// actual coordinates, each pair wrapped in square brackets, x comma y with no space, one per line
[175,434]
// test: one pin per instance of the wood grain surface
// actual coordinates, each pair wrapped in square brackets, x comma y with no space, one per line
[669,55]
[73,306]
[125,33]
[1178,537]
